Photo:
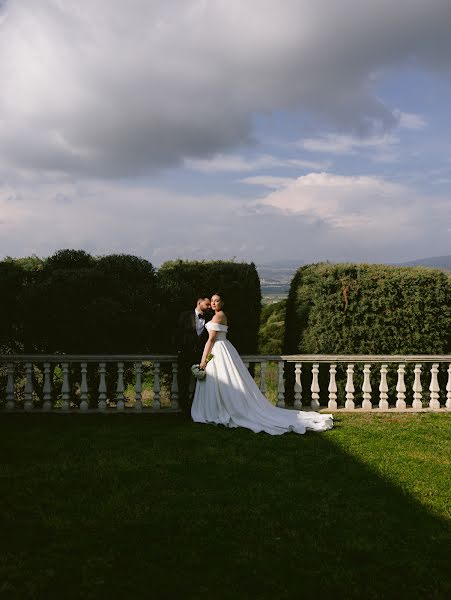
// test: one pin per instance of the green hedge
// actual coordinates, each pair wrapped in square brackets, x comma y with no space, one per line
[388,310]
[181,281]
[77,303]
[11,281]
[368,309]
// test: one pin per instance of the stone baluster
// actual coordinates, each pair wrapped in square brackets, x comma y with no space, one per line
[448,389]
[102,387]
[383,389]
[84,406]
[47,389]
[349,389]
[314,388]
[417,389]
[156,405]
[297,386]
[280,385]
[175,388]
[138,385]
[332,389]
[401,388]
[366,388]
[10,400]
[263,366]
[120,404]
[434,388]
[65,389]
[28,396]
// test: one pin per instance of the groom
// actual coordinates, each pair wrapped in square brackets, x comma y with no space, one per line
[191,337]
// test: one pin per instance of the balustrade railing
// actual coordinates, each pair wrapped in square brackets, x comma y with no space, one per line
[313,385]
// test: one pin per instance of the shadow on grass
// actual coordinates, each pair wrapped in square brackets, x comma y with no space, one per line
[95,507]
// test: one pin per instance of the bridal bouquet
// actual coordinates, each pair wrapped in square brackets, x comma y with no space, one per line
[198,372]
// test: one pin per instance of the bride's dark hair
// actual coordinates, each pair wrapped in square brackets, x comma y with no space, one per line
[219,294]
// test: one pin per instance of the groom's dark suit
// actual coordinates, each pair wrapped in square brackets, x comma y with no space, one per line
[190,347]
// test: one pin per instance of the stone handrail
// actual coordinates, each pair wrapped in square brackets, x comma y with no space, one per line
[8,363]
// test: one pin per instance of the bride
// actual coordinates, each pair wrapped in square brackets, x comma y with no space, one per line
[229,395]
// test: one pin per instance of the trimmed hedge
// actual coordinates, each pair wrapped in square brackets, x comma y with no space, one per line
[16,276]
[80,304]
[368,309]
[11,282]
[182,281]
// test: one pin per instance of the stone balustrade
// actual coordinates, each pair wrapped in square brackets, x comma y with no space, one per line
[374,392]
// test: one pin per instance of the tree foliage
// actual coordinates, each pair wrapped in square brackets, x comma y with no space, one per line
[272,328]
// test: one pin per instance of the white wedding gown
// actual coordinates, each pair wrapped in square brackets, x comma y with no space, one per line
[229,396]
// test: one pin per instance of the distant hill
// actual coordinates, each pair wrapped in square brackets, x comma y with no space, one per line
[439,262]
[278,272]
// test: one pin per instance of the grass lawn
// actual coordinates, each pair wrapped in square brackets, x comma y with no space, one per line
[155,506]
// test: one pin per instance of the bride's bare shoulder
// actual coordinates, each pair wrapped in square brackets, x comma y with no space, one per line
[220,318]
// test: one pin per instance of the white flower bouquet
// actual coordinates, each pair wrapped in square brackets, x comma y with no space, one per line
[199,373]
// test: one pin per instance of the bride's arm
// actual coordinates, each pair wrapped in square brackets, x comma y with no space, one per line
[207,348]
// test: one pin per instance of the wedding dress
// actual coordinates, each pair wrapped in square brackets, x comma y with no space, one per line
[229,396]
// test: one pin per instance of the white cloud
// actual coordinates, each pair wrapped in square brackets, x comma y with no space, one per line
[236,163]
[114,89]
[315,217]
[411,121]
[347,144]
[106,218]
[13,212]
[365,206]
[267,181]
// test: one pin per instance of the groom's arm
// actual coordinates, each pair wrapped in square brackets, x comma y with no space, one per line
[179,333]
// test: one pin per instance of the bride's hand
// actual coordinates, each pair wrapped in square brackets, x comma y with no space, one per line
[203,364]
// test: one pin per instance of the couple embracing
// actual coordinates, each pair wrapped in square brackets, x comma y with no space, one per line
[228,395]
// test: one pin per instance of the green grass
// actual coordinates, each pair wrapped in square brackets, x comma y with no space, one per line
[128,506]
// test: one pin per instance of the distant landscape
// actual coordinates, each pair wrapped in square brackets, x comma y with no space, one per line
[275,277]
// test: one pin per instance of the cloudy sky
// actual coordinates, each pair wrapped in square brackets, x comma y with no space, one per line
[257,129]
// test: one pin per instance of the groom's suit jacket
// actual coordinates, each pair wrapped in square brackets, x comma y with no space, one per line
[188,344]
